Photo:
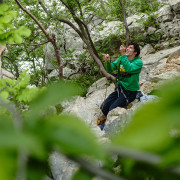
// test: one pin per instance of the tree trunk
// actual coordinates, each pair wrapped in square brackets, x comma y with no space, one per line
[125,23]
[56,49]
[51,38]
[16,69]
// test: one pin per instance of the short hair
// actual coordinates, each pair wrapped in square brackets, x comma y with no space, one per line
[136,47]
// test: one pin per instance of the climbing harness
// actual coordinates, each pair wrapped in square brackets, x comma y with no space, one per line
[122,92]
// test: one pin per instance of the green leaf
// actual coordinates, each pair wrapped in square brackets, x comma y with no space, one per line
[17,38]
[4,95]
[6,19]
[11,139]
[27,94]
[73,137]
[3,8]
[147,130]
[12,13]
[51,96]
[8,168]
[10,40]
[82,175]
[24,31]
[171,156]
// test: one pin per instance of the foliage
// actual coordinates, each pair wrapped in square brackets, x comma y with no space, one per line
[150,141]
[115,10]
[151,131]
[148,148]
[109,45]
[17,90]
[132,7]
[151,21]
[64,133]
[8,32]
[144,6]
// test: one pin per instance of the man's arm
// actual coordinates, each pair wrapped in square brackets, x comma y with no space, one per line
[108,64]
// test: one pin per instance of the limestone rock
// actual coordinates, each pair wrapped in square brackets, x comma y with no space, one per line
[61,167]
[165,14]
[67,71]
[109,29]
[54,74]
[100,84]
[146,50]
[153,58]
[6,74]
[151,30]
[175,5]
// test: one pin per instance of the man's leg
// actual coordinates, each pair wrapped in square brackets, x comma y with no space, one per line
[108,102]
[119,102]
[105,108]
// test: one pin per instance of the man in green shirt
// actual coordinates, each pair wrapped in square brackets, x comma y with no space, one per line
[127,67]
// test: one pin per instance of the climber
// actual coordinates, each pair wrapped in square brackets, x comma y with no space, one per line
[127,67]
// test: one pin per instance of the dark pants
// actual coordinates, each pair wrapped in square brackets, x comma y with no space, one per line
[117,99]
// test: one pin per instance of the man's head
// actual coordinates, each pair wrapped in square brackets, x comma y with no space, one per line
[133,49]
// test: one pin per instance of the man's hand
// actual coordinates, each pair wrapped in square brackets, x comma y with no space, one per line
[122,50]
[106,57]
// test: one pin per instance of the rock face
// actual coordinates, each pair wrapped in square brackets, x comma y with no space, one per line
[158,67]
[169,19]
[61,167]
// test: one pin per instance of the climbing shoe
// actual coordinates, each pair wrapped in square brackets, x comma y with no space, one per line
[101,120]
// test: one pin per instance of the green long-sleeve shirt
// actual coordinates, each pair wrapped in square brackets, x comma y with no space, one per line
[127,71]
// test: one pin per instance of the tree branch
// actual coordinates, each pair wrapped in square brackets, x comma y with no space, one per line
[91,51]
[31,44]
[35,19]
[94,169]
[142,156]
[125,23]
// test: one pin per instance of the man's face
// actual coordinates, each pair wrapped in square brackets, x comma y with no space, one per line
[130,51]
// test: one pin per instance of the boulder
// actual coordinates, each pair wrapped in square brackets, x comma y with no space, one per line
[72,39]
[100,84]
[175,4]
[6,74]
[146,50]
[54,74]
[151,30]
[110,28]
[165,14]
[61,167]
[67,71]
[89,108]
